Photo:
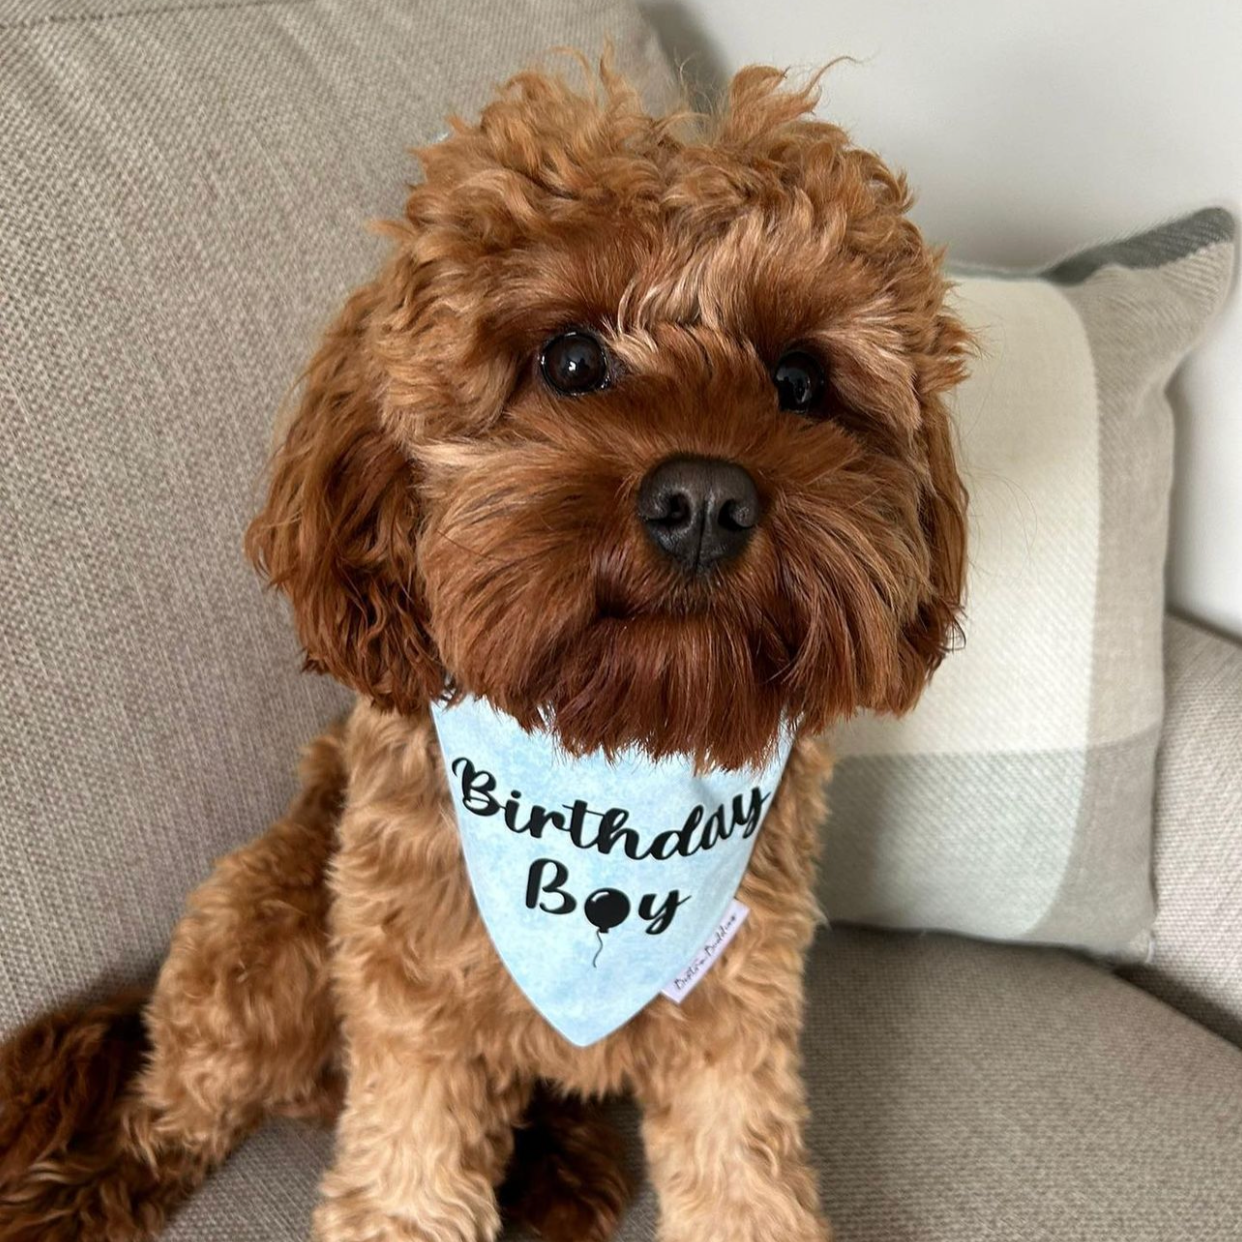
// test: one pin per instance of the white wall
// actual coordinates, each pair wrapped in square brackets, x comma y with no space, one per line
[1030,129]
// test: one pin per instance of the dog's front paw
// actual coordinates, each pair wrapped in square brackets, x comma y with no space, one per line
[352,1216]
[775,1226]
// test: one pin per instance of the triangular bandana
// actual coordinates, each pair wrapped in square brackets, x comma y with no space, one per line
[598,879]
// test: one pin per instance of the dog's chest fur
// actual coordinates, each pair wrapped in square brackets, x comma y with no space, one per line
[408,937]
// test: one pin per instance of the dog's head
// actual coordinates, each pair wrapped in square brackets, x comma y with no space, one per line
[639,437]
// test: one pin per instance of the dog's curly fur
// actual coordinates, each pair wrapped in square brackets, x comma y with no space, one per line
[442,520]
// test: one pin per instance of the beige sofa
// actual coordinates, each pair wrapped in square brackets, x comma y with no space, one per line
[182,192]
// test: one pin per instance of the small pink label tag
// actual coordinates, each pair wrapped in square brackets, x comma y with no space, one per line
[686,980]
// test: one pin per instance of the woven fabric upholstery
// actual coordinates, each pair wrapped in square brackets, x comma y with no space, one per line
[1015,801]
[960,1092]
[1197,957]
[184,190]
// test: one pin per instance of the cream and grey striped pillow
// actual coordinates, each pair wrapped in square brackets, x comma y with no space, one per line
[1015,802]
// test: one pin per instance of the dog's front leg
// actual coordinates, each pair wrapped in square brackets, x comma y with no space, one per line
[420,1147]
[723,1130]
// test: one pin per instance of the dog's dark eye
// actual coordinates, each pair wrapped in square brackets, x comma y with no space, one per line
[800,382]
[574,363]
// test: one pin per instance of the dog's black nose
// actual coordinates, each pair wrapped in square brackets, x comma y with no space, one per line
[698,510]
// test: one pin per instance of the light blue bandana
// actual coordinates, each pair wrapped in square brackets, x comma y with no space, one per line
[598,880]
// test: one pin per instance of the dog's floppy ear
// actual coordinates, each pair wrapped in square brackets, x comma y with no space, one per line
[936,628]
[337,532]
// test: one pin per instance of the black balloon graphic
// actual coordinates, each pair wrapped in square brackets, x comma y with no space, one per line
[606,908]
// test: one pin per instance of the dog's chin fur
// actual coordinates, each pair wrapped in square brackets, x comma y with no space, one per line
[442,519]
[444,523]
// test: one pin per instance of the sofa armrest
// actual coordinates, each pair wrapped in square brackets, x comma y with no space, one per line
[1196,962]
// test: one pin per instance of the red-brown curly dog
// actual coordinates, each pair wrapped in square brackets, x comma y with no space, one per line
[577,296]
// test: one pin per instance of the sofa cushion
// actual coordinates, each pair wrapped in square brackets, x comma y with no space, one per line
[1015,801]
[1196,960]
[960,1092]
[184,190]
